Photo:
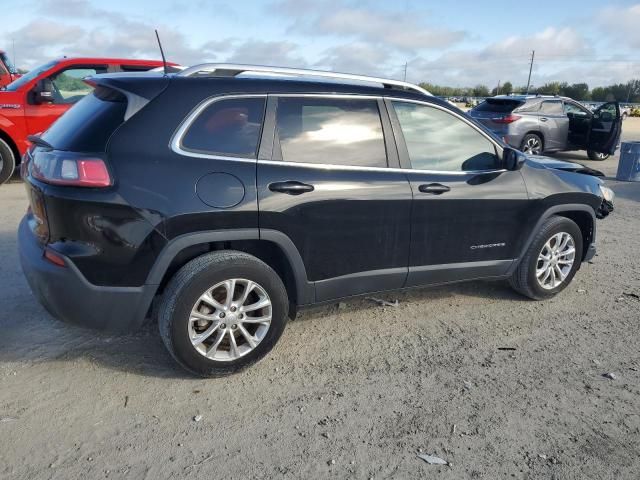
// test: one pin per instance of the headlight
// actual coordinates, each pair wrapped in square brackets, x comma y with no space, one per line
[607,193]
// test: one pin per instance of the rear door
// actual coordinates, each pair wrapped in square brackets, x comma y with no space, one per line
[68,89]
[606,127]
[467,210]
[328,187]
[554,125]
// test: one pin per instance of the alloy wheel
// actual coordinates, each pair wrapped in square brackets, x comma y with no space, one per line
[532,146]
[230,319]
[555,260]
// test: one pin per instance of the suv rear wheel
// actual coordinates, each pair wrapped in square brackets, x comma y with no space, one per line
[532,144]
[597,155]
[222,312]
[551,260]
[7,162]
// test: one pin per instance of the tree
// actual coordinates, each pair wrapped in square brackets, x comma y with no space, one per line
[577,91]
[507,88]
[480,91]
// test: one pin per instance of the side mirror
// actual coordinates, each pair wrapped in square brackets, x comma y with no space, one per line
[513,159]
[43,92]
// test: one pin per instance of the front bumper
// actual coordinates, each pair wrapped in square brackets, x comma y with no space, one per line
[68,296]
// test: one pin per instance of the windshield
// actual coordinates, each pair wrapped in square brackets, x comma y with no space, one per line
[7,62]
[26,78]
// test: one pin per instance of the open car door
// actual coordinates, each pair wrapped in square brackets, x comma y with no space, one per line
[606,126]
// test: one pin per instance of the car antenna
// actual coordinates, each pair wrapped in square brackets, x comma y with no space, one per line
[164,60]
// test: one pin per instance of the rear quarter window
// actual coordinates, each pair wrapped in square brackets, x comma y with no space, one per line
[89,124]
[228,127]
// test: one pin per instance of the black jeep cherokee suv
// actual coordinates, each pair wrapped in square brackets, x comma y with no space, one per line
[227,197]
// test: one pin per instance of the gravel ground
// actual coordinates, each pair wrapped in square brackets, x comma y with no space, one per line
[499,386]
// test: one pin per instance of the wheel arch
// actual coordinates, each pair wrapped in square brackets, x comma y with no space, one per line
[583,215]
[272,247]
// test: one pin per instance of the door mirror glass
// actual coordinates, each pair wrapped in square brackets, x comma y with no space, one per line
[513,159]
[43,92]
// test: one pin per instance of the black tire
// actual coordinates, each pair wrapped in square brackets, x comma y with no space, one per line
[529,140]
[598,157]
[190,282]
[7,162]
[524,279]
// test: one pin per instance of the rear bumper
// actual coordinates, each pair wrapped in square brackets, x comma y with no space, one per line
[68,296]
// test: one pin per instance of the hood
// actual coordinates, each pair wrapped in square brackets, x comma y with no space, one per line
[555,164]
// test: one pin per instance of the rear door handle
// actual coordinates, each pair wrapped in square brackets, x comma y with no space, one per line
[434,188]
[290,187]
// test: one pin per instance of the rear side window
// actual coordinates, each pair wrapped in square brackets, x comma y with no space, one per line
[88,125]
[553,107]
[498,105]
[331,131]
[229,127]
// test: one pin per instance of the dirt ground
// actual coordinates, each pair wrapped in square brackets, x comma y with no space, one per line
[351,391]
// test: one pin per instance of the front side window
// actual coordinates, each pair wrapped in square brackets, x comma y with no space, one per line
[228,127]
[331,131]
[437,140]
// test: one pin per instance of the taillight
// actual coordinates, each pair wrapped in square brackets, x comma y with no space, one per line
[507,118]
[62,168]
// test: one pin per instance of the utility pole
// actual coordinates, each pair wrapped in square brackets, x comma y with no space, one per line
[533,54]
[498,88]
[13,47]
[405,71]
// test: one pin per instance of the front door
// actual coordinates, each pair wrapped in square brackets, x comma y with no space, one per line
[328,188]
[467,209]
[68,88]
[606,127]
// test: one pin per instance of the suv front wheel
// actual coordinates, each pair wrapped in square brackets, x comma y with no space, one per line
[222,312]
[551,260]
[597,155]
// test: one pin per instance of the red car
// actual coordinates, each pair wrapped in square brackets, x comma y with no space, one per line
[8,73]
[31,103]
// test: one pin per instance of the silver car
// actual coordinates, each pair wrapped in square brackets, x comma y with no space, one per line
[539,124]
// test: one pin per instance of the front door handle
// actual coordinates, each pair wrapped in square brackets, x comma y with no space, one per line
[434,188]
[543,119]
[290,187]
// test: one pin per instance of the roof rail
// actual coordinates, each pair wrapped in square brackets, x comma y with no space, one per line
[233,70]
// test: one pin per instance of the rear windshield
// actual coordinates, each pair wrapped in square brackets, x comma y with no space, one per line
[87,126]
[498,105]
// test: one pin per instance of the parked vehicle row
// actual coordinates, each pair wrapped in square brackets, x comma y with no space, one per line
[31,103]
[230,196]
[543,124]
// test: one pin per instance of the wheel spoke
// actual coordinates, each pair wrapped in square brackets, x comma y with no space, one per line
[230,285]
[203,316]
[216,343]
[207,298]
[248,289]
[264,319]
[559,273]
[201,337]
[233,345]
[250,338]
[566,252]
[263,302]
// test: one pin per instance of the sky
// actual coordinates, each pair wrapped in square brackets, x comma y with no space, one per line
[456,43]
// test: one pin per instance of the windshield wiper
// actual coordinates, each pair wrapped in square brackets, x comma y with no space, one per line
[37,140]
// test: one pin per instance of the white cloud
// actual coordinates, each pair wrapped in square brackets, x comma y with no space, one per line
[621,24]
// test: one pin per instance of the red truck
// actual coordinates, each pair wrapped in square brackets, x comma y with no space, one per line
[8,73]
[31,103]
